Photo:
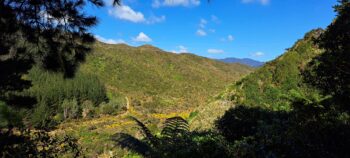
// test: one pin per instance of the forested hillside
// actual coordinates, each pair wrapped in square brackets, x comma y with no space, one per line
[270,86]
[159,80]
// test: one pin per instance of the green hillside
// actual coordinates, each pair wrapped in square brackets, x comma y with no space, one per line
[153,78]
[268,87]
[271,85]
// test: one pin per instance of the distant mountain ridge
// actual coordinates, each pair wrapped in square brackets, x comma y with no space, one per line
[245,61]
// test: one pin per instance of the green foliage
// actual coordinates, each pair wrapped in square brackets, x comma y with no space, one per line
[26,143]
[71,109]
[270,86]
[110,108]
[54,88]
[60,98]
[175,141]
[41,116]
[88,109]
[9,117]
[315,124]
[309,130]
[155,79]
[330,72]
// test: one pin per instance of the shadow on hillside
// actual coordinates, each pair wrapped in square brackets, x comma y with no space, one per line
[307,131]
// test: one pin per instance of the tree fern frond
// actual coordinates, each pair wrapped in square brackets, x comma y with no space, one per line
[145,131]
[127,141]
[174,127]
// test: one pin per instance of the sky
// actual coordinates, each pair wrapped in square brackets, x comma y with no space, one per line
[256,29]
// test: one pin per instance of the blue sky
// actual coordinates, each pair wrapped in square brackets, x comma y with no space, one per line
[257,29]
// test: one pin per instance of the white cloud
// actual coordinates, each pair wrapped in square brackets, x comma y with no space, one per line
[212,30]
[181,49]
[155,19]
[263,2]
[173,3]
[215,51]
[126,13]
[109,41]
[258,54]
[142,37]
[201,32]
[230,38]
[202,23]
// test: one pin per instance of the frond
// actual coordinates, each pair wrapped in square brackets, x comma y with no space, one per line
[145,131]
[127,141]
[174,127]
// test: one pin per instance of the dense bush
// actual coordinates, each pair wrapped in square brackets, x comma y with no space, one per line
[62,98]
[112,107]
[270,86]
[9,116]
[54,88]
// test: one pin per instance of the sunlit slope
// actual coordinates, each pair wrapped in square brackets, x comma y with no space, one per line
[155,79]
[269,86]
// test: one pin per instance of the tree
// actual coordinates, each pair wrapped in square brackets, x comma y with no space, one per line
[50,33]
[330,72]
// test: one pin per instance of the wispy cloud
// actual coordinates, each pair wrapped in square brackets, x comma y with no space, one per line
[202,26]
[109,41]
[215,19]
[263,2]
[155,19]
[126,13]
[201,32]
[215,51]
[258,54]
[174,3]
[181,49]
[229,38]
[202,23]
[142,37]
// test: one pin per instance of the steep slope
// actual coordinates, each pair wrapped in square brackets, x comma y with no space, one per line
[268,87]
[154,79]
[244,61]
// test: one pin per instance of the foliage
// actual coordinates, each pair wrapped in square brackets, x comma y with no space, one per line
[26,143]
[41,116]
[50,34]
[59,98]
[156,80]
[315,124]
[270,86]
[330,72]
[52,88]
[175,140]
[71,109]
[9,116]
[307,131]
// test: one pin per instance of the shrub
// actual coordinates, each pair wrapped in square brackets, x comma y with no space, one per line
[8,116]
[88,109]
[71,109]
[41,116]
